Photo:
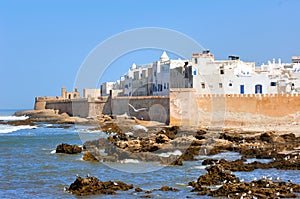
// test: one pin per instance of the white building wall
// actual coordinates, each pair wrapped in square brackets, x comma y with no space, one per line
[91,93]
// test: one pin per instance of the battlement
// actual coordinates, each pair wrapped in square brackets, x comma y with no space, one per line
[244,95]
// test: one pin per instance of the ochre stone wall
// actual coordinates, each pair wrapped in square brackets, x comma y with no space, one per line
[215,108]
[155,108]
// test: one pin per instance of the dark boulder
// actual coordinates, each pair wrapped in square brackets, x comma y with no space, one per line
[68,149]
[88,156]
[91,185]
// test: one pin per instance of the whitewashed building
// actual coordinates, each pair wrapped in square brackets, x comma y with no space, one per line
[207,76]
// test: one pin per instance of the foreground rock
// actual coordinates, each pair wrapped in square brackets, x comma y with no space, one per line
[91,185]
[233,187]
[216,175]
[258,189]
[88,156]
[18,122]
[68,149]
[53,116]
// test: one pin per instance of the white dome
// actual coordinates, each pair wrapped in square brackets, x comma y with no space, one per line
[133,66]
[164,57]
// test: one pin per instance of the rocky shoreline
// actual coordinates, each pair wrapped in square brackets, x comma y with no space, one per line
[129,138]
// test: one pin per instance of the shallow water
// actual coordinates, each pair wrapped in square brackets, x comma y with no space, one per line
[29,169]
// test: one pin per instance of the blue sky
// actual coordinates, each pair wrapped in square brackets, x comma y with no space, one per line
[43,43]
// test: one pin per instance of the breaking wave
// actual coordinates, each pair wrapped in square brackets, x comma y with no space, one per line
[9,129]
[168,154]
[13,118]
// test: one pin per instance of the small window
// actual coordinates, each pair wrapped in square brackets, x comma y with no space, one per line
[196,61]
[220,85]
[222,70]
[203,85]
[230,84]
[273,83]
[195,72]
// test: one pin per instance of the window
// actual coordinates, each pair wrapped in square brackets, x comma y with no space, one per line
[196,61]
[159,87]
[220,85]
[273,83]
[222,70]
[230,84]
[203,85]
[165,86]
[195,72]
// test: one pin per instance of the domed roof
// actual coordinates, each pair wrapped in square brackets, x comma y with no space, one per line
[133,66]
[164,57]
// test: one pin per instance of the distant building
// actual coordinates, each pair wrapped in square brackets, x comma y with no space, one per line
[91,93]
[296,59]
[207,76]
[70,95]
[106,88]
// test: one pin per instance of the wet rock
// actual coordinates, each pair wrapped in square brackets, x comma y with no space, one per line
[172,160]
[91,185]
[18,122]
[216,176]
[68,149]
[162,139]
[146,196]
[138,189]
[88,156]
[111,127]
[267,136]
[167,188]
[170,132]
[200,134]
[260,189]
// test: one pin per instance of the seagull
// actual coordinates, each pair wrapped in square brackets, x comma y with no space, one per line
[270,178]
[77,175]
[88,175]
[137,110]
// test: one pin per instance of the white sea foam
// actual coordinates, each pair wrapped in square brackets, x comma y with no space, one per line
[138,127]
[9,129]
[13,118]
[202,167]
[53,151]
[126,161]
[168,154]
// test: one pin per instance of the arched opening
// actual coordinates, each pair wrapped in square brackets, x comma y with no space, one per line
[258,89]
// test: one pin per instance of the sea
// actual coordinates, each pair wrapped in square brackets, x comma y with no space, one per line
[30,168]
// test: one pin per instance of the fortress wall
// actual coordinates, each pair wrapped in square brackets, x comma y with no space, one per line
[155,108]
[211,108]
[39,104]
[71,107]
